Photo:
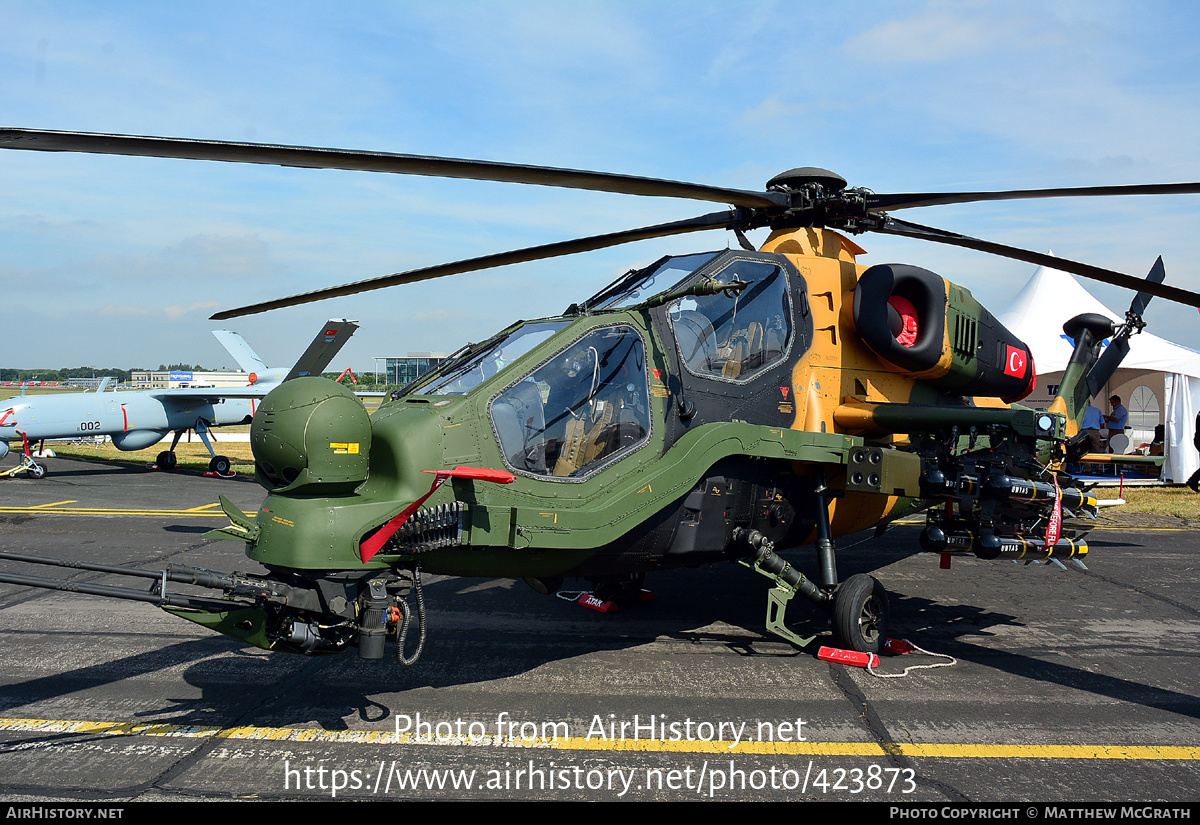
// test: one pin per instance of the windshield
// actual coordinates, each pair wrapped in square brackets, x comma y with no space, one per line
[637,287]
[459,377]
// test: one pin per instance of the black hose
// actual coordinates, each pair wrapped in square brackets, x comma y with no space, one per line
[400,639]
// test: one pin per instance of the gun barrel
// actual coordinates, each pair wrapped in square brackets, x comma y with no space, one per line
[127,593]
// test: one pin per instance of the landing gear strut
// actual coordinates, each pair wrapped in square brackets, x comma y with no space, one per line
[219,465]
[858,607]
[27,465]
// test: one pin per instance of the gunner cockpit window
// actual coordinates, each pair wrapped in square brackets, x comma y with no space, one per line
[585,407]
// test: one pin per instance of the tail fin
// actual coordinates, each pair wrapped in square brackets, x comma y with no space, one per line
[1088,331]
[1088,371]
[246,358]
[324,347]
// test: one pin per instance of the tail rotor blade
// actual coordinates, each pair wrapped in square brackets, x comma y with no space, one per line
[1106,366]
[1158,274]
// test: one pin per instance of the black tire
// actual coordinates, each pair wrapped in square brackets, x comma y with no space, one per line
[860,614]
[36,471]
[166,460]
[220,465]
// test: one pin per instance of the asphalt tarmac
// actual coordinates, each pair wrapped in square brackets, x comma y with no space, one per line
[1064,686]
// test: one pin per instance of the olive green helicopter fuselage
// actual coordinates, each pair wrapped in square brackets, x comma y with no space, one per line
[710,407]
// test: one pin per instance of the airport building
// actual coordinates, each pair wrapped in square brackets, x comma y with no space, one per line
[401,371]
[91,383]
[170,379]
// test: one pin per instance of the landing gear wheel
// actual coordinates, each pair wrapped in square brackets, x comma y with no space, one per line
[166,460]
[220,465]
[860,614]
[36,471]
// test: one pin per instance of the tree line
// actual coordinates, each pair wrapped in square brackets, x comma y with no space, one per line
[123,376]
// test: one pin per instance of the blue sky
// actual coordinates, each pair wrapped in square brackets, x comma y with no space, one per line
[114,261]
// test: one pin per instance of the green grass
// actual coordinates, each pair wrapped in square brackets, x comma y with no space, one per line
[191,456]
[1172,502]
[15,392]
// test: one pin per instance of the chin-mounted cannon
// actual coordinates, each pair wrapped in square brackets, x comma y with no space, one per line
[284,612]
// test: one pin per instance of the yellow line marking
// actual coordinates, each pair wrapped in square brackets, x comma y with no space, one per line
[389,737]
[204,507]
[1140,528]
[92,511]
[1125,527]
[53,504]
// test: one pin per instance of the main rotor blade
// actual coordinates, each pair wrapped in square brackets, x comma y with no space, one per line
[714,220]
[876,202]
[894,226]
[316,158]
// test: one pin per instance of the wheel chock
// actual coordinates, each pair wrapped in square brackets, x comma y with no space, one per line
[599,605]
[848,657]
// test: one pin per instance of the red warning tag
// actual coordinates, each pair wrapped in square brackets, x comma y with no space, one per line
[784,390]
[1054,524]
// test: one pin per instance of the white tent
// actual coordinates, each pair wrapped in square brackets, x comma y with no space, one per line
[1036,316]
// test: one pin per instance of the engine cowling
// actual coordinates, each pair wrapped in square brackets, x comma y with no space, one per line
[923,326]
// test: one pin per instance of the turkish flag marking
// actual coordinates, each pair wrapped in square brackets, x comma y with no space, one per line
[1015,362]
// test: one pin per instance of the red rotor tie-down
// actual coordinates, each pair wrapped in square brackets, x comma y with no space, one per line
[374,544]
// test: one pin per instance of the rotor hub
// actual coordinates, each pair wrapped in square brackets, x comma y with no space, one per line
[793,180]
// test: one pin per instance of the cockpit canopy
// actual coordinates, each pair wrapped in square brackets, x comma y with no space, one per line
[472,367]
[586,405]
[568,411]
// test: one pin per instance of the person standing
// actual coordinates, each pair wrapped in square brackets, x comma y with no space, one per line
[1092,419]
[1119,420]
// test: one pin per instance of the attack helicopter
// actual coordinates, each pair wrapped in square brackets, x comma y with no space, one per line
[720,406]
